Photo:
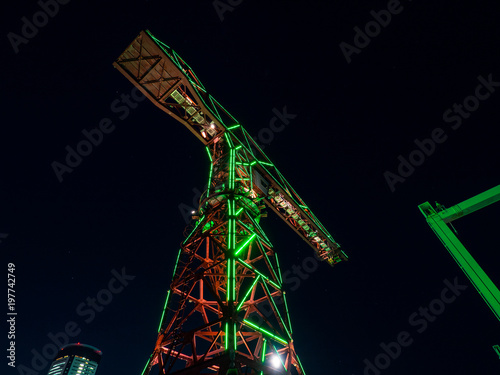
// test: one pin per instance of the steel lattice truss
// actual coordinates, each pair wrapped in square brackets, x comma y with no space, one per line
[226,310]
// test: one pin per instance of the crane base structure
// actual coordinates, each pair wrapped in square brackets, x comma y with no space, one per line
[225,311]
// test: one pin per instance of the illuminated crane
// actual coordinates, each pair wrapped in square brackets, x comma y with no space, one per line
[225,311]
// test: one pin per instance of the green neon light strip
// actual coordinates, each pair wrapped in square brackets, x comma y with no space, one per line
[232,222]
[287,314]
[231,225]
[168,293]
[211,171]
[263,331]
[251,175]
[229,140]
[227,335]
[265,163]
[300,364]
[177,260]
[229,213]
[263,356]
[235,343]
[214,109]
[225,110]
[234,279]
[269,262]
[259,228]
[209,179]
[279,357]
[233,163]
[247,294]
[164,308]
[278,312]
[209,155]
[245,243]
[229,280]
[231,170]
[195,227]
[250,229]
[259,273]
[238,212]
[147,364]
[279,268]
[228,286]
[233,127]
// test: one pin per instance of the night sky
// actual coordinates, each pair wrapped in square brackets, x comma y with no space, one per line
[357,112]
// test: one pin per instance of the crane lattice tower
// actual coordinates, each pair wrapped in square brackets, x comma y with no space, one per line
[226,310]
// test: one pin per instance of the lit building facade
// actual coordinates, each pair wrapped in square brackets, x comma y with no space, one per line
[76,359]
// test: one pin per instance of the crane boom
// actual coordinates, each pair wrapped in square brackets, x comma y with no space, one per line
[170,83]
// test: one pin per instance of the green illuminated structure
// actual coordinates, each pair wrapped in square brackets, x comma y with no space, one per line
[438,219]
[496,348]
[226,311]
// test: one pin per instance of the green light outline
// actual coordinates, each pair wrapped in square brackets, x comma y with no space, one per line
[235,338]
[269,262]
[263,355]
[229,281]
[227,336]
[263,331]
[196,227]
[249,239]
[496,348]
[259,229]
[300,364]
[234,280]
[259,273]
[147,364]
[280,278]
[286,310]
[266,163]
[164,309]
[278,355]
[278,312]
[211,171]
[247,293]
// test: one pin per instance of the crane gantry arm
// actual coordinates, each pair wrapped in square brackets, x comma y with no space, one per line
[170,83]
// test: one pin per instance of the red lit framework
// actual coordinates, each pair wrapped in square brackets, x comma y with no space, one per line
[226,308]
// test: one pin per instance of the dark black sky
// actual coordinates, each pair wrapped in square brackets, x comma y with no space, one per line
[120,206]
